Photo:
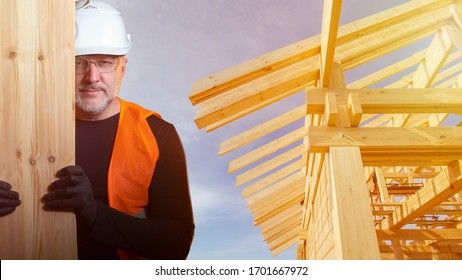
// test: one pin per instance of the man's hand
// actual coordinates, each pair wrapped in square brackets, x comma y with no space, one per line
[73,191]
[9,199]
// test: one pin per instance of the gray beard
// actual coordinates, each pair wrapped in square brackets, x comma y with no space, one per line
[92,109]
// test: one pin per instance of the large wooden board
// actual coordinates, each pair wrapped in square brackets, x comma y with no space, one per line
[36,123]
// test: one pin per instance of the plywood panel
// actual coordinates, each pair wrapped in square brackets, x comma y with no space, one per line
[36,123]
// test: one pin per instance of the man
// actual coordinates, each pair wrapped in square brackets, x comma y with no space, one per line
[129,187]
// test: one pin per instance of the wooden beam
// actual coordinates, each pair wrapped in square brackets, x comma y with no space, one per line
[401,120]
[437,53]
[389,138]
[414,158]
[330,109]
[289,236]
[406,80]
[449,203]
[293,180]
[419,234]
[355,109]
[381,204]
[281,195]
[307,207]
[255,107]
[436,190]
[301,250]
[408,11]
[274,234]
[262,130]
[448,83]
[388,71]
[456,11]
[426,251]
[389,39]
[390,101]
[269,165]
[276,230]
[413,120]
[452,30]
[445,211]
[458,83]
[270,87]
[253,69]
[270,225]
[378,121]
[451,71]
[414,174]
[433,224]
[317,169]
[382,185]
[436,120]
[282,247]
[337,77]
[330,22]
[397,250]
[266,149]
[282,221]
[272,178]
[36,124]
[276,209]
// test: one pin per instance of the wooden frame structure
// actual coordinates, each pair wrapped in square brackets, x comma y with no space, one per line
[370,173]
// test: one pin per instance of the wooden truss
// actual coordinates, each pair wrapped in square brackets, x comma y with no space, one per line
[370,173]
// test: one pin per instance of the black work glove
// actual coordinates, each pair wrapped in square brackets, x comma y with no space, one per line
[9,199]
[73,191]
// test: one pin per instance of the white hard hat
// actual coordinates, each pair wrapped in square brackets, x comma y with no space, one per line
[99,29]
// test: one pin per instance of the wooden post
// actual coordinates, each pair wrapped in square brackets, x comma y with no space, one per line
[36,123]
[353,226]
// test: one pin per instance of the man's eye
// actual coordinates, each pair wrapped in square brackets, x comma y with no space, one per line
[105,62]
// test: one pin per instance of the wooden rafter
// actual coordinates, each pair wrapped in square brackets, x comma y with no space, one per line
[330,21]
[262,130]
[435,56]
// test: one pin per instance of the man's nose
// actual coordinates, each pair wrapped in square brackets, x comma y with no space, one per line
[92,74]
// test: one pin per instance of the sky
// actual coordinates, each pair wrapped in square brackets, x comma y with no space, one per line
[176,42]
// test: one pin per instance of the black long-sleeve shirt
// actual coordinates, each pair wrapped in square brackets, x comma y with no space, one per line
[168,229]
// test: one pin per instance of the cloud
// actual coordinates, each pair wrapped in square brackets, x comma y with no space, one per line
[245,247]
[213,203]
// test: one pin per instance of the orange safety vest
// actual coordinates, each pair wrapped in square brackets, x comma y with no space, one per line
[133,160]
[132,164]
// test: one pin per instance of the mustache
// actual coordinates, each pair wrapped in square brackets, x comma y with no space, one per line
[91,87]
